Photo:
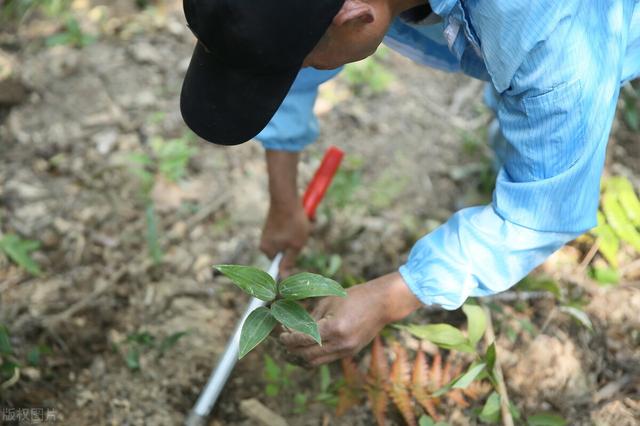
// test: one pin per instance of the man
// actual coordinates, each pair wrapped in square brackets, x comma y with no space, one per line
[554,69]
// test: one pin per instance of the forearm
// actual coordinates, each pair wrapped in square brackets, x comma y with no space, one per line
[398,300]
[282,167]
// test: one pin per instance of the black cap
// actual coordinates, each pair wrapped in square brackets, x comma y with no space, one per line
[248,55]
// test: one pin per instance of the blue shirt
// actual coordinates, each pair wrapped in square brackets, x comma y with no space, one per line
[554,69]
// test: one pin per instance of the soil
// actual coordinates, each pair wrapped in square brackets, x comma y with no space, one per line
[416,153]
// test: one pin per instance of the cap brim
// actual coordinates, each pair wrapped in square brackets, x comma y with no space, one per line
[226,106]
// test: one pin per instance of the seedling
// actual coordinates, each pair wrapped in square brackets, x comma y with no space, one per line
[144,342]
[277,378]
[71,36]
[168,159]
[281,298]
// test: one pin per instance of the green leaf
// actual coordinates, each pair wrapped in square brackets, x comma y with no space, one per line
[170,341]
[19,251]
[153,242]
[325,378]
[428,421]
[468,377]
[255,329]
[605,275]
[477,322]
[292,315]
[133,358]
[300,401]
[443,335]
[617,218]
[546,419]
[251,280]
[490,357]
[304,285]
[491,411]
[539,283]
[272,389]
[608,241]
[58,39]
[271,371]
[579,315]
[627,197]
[5,341]
[8,369]
[143,338]
[35,355]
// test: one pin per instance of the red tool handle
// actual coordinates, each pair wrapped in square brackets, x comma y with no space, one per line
[321,180]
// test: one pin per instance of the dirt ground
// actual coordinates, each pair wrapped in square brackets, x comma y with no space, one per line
[416,153]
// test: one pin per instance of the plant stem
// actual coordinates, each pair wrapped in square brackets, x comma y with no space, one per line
[490,337]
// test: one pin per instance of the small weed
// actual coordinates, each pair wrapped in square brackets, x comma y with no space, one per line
[345,184]
[323,264]
[277,378]
[19,251]
[169,159]
[386,189]
[72,35]
[11,363]
[139,343]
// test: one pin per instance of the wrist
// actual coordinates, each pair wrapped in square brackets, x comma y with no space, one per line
[398,299]
[282,168]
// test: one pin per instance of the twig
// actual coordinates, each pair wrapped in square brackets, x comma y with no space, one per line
[611,389]
[490,337]
[588,258]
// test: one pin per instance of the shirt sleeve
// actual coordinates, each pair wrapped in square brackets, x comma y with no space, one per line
[555,117]
[294,125]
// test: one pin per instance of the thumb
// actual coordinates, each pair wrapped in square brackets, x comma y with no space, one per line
[321,309]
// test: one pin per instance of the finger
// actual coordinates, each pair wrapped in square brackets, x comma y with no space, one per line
[295,340]
[322,355]
[321,309]
[268,248]
[312,352]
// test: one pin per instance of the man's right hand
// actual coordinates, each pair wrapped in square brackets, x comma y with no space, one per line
[286,229]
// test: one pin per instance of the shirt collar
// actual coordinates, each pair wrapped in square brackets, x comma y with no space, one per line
[442,7]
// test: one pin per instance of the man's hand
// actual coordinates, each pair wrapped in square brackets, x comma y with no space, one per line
[287,228]
[350,323]
[285,231]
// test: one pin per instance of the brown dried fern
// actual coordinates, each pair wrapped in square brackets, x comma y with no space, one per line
[377,379]
[398,386]
[350,393]
[421,386]
[403,384]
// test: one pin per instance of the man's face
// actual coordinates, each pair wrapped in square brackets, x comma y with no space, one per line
[355,33]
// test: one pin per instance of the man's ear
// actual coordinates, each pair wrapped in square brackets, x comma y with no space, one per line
[354,10]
